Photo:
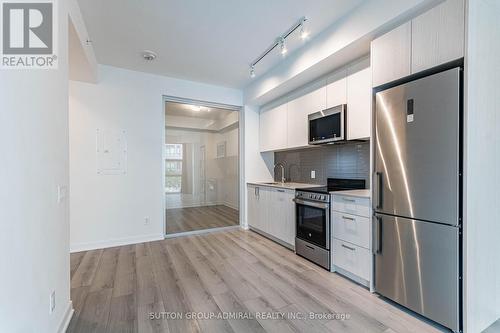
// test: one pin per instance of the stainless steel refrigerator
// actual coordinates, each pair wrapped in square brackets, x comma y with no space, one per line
[417,195]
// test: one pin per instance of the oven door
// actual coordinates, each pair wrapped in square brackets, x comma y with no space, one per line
[313,222]
[327,125]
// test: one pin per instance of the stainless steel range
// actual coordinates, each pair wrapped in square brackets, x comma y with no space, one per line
[312,239]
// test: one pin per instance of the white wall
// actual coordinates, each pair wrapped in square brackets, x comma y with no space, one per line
[482,166]
[257,166]
[34,228]
[110,210]
[228,184]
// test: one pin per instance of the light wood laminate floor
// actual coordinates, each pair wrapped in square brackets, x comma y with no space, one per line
[200,218]
[116,289]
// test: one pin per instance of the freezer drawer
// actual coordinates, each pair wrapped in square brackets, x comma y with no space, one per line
[417,266]
[416,155]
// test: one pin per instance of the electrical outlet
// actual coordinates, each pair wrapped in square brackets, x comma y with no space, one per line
[146,220]
[313,174]
[52,302]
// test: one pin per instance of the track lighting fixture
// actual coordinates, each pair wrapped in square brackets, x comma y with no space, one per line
[281,43]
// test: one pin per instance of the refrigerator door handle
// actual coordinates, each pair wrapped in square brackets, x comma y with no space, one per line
[377,235]
[377,187]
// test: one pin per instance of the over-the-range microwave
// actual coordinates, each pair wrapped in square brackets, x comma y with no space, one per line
[328,126]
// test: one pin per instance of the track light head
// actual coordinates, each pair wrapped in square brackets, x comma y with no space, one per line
[252,71]
[304,34]
[283,49]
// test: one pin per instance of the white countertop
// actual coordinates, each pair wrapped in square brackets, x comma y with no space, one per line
[354,193]
[291,185]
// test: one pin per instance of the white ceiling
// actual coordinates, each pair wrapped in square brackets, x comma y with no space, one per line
[206,41]
[194,111]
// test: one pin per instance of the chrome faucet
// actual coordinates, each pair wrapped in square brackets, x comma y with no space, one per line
[283,179]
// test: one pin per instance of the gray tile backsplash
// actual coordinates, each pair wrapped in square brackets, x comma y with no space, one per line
[351,160]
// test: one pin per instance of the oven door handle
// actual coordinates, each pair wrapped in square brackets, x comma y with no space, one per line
[321,205]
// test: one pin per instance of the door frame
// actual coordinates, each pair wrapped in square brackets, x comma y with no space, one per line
[241,161]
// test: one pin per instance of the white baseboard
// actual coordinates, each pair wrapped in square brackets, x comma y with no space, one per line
[230,205]
[194,205]
[350,276]
[221,203]
[67,318]
[78,247]
[201,232]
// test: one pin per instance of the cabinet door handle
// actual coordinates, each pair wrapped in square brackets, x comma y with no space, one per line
[377,190]
[348,218]
[348,200]
[282,191]
[348,247]
[377,236]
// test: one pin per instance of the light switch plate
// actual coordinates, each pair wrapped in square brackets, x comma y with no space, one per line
[52,302]
[62,192]
[313,174]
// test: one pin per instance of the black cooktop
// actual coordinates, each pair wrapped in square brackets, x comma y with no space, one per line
[338,184]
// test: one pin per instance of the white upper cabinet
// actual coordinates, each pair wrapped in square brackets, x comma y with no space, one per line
[391,55]
[298,110]
[336,89]
[287,126]
[431,39]
[359,100]
[273,128]
[438,35]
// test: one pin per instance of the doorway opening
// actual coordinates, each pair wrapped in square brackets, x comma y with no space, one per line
[201,159]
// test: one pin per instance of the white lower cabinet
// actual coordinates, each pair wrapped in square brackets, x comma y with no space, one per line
[352,258]
[351,230]
[272,211]
[258,207]
[282,215]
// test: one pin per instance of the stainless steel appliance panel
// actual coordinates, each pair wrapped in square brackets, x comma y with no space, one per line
[313,253]
[417,266]
[417,149]
[328,125]
[313,222]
